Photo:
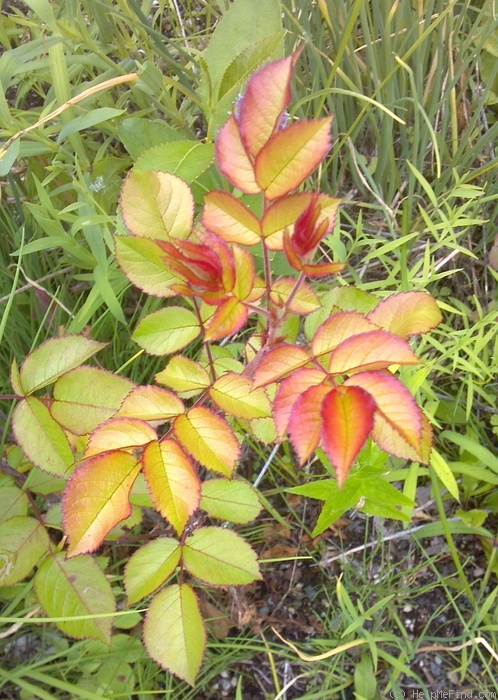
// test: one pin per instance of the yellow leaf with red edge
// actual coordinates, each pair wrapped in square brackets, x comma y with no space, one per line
[407,313]
[337,328]
[119,434]
[291,155]
[371,351]
[150,403]
[226,216]
[305,424]
[233,161]
[236,395]
[278,362]
[304,301]
[173,482]
[289,390]
[228,318]
[184,375]
[348,416]
[157,205]
[96,499]
[262,107]
[395,405]
[209,439]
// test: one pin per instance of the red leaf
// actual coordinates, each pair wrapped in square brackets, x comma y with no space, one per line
[288,393]
[348,418]
[305,424]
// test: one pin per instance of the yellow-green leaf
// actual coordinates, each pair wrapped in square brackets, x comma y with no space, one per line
[220,557]
[150,566]
[119,434]
[167,330]
[184,375]
[41,439]
[233,500]
[142,261]
[157,205]
[53,358]
[86,397]
[23,541]
[236,395]
[174,633]
[69,588]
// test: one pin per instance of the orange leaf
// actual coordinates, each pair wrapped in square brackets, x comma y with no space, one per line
[233,161]
[407,313]
[288,393]
[226,216]
[208,438]
[266,96]
[371,351]
[228,318]
[173,482]
[278,362]
[97,499]
[305,424]
[119,434]
[337,328]
[291,155]
[348,417]
[395,405]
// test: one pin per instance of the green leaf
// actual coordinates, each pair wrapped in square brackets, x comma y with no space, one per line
[13,501]
[150,566]
[167,330]
[8,158]
[481,453]
[23,541]
[442,469]
[15,379]
[234,500]
[53,358]
[185,159]
[259,18]
[69,588]
[174,633]
[41,439]
[220,557]
[86,121]
[138,135]
[86,397]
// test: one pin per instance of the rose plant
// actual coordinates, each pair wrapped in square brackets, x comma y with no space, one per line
[253,367]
